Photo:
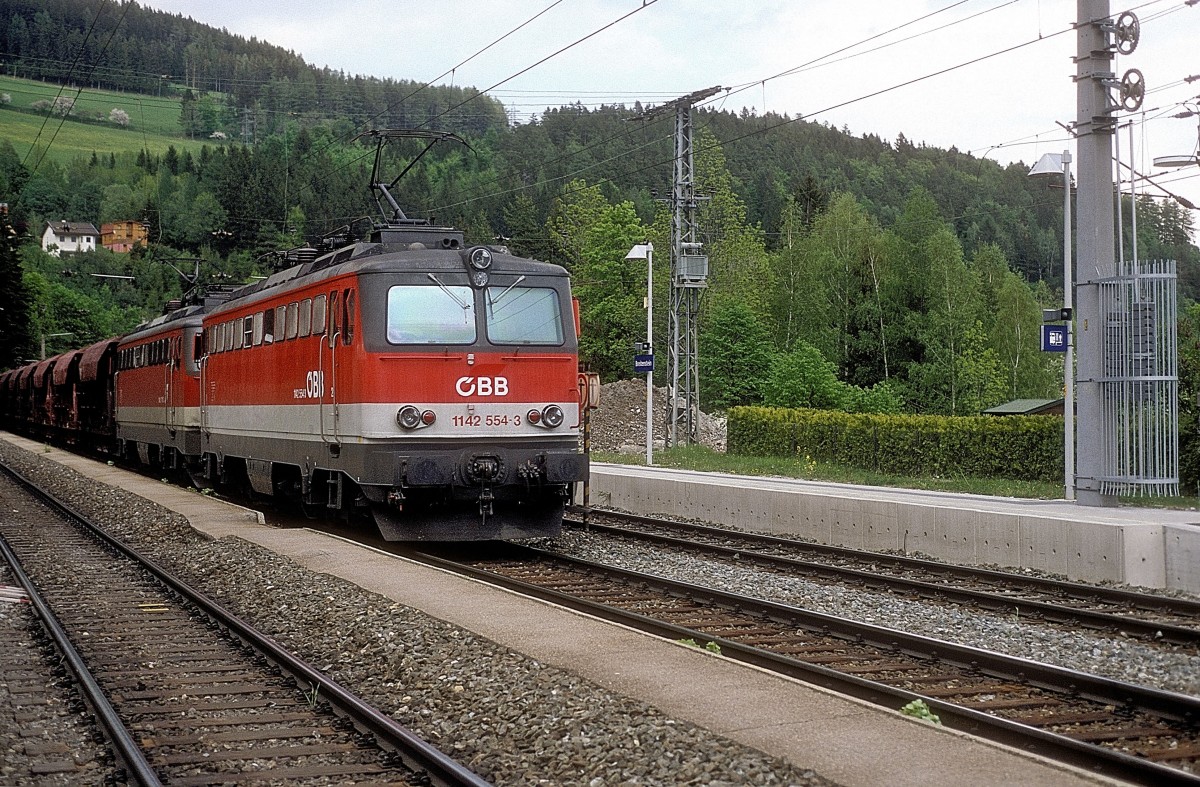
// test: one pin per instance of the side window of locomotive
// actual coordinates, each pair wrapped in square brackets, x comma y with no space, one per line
[248,331]
[523,315]
[235,328]
[269,326]
[335,318]
[305,317]
[348,317]
[318,315]
[280,322]
[293,319]
[428,314]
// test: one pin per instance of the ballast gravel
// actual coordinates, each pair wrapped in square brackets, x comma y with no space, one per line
[1165,667]
[510,718]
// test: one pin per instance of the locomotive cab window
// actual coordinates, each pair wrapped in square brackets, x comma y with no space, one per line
[430,314]
[523,315]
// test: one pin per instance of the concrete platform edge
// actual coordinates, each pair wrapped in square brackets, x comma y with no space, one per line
[1152,548]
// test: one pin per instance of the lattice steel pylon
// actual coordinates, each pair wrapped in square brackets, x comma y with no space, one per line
[689,277]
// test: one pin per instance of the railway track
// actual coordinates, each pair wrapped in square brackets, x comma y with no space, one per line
[1147,616]
[1109,727]
[184,692]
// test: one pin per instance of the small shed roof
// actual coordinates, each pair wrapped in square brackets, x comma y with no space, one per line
[1025,407]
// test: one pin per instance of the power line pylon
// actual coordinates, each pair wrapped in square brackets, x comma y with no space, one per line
[689,277]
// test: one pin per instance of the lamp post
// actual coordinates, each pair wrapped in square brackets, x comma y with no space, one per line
[646,251]
[46,336]
[1050,165]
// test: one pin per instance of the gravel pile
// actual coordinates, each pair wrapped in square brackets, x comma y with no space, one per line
[510,718]
[619,423]
[1166,667]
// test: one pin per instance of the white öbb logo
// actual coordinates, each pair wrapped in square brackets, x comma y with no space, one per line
[482,386]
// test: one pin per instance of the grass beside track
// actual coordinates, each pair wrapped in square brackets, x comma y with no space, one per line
[708,460]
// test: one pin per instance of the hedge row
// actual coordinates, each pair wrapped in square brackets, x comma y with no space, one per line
[1019,447]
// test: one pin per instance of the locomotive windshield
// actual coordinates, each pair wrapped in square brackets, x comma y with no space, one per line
[428,314]
[523,315]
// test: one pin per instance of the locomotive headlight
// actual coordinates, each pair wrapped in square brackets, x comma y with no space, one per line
[428,417]
[480,258]
[409,417]
[534,417]
[552,416]
[479,279]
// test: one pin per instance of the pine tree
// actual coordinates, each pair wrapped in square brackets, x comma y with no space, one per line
[16,339]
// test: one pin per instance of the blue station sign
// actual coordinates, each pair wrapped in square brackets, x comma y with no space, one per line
[1054,338]
[643,363]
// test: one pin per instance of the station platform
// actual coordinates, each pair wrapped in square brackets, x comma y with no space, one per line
[840,738]
[1147,547]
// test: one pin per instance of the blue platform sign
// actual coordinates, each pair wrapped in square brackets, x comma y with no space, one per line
[643,363]
[1054,338]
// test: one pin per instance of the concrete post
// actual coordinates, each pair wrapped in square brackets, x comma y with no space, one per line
[1095,250]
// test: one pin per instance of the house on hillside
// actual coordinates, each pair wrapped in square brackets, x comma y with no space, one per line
[122,236]
[69,237]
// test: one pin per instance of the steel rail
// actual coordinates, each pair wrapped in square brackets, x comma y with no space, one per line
[1054,613]
[1056,680]
[414,752]
[126,749]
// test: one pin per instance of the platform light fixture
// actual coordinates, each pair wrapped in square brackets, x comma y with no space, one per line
[1052,165]
[645,251]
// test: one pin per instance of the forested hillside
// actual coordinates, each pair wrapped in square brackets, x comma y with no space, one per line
[242,88]
[846,272]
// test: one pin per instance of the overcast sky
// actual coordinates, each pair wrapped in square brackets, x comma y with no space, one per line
[1005,107]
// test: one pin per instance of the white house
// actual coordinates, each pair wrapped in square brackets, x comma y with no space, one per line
[69,237]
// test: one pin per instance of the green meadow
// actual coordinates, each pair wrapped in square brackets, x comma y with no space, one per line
[153,122]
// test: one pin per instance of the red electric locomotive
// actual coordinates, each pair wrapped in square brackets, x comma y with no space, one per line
[158,390]
[434,385]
